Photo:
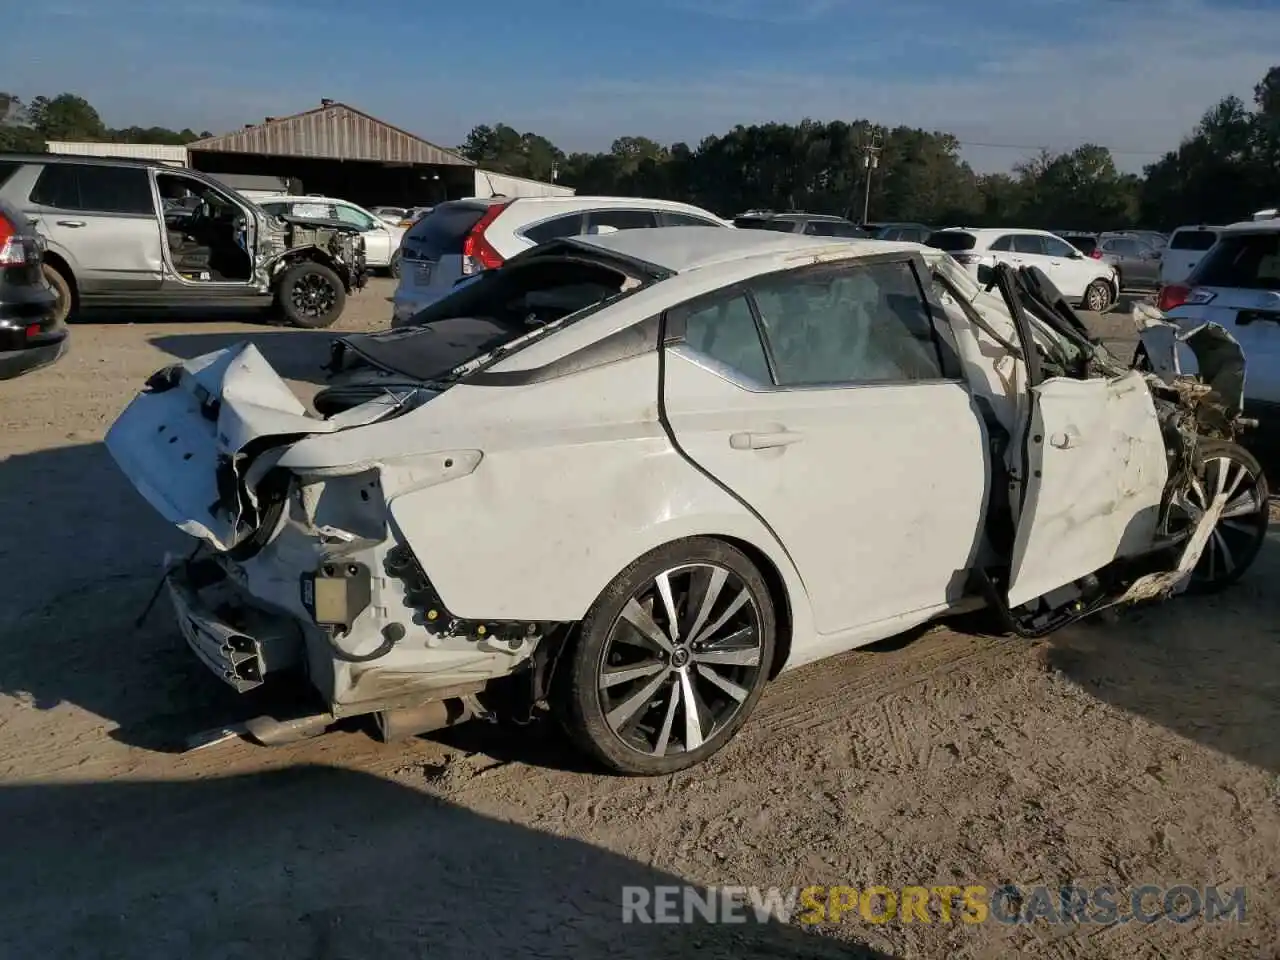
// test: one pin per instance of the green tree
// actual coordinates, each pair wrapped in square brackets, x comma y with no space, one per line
[66,117]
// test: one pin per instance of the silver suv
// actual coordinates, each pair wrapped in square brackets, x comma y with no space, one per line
[134,233]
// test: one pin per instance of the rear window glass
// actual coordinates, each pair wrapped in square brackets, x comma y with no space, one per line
[444,229]
[6,170]
[753,223]
[1250,261]
[1193,240]
[951,240]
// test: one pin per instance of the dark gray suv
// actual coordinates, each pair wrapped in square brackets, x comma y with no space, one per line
[138,233]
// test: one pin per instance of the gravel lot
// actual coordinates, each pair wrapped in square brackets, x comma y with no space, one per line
[1128,752]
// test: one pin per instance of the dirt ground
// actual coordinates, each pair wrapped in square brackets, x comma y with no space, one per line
[1130,752]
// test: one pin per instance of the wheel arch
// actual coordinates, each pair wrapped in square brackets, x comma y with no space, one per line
[59,263]
[281,265]
[778,593]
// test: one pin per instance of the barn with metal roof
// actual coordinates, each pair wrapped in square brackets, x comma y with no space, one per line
[337,150]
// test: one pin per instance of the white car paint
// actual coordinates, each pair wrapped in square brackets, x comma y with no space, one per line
[1206,299]
[381,239]
[522,497]
[432,269]
[1069,269]
[1186,246]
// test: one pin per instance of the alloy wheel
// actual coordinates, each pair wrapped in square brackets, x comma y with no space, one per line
[1236,538]
[681,659]
[313,295]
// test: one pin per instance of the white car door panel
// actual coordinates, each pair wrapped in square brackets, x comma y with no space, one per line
[1097,473]
[876,491]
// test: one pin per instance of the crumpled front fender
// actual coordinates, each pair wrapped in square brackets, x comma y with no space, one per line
[1206,350]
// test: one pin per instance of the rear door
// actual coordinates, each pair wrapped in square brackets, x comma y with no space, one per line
[105,218]
[824,400]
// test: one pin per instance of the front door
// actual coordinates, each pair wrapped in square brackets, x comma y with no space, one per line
[1096,473]
[105,217]
[821,398]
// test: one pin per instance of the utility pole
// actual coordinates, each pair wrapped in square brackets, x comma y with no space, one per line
[870,160]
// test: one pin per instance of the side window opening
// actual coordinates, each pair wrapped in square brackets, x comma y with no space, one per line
[861,324]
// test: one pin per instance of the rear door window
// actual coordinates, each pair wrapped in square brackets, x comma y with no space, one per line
[1249,261]
[90,188]
[670,219]
[1054,247]
[556,228]
[852,324]
[952,241]
[1028,243]
[443,231]
[1200,240]
[759,223]
[830,228]
[622,219]
[726,331]
[1003,243]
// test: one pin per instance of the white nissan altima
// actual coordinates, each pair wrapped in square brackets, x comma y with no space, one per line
[630,478]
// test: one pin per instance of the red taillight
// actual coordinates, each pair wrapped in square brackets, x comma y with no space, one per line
[1096,254]
[33,330]
[12,252]
[476,249]
[1172,295]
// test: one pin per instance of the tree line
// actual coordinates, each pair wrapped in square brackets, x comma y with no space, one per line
[1224,169]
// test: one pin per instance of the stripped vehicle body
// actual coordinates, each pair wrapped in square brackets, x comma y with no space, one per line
[445,538]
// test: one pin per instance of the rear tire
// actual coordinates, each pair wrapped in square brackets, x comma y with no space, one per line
[1097,296]
[66,298]
[394,269]
[645,699]
[310,295]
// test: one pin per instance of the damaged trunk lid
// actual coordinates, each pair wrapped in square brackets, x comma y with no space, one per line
[201,438]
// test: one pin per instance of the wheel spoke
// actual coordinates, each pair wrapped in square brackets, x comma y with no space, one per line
[627,709]
[1220,543]
[664,735]
[1242,506]
[693,728]
[728,686]
[639,618]
[1224,475]
[711,585]
[611,678]
[663,582]
[731,651]
[738,602]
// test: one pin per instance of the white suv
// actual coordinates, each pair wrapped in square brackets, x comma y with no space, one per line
[1091,283]
[462,238]
[1186,246]
[1237,285]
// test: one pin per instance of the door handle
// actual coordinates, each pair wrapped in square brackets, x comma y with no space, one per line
[70,223]
[764,441]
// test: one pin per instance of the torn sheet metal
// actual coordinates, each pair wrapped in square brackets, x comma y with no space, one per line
[1207,351]
[1155,586]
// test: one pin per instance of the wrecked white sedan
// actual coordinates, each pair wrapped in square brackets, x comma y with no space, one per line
[630,478]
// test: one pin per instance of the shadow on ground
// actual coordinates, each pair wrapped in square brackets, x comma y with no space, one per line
[318,862]
[1207,668]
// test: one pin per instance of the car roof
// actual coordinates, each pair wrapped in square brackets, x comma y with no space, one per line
[1253,226]
[91,161]
[682,249]
[793,215]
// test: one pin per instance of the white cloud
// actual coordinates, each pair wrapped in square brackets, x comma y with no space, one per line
[1137,82]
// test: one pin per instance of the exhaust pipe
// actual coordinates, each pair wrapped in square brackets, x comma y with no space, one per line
[425,718]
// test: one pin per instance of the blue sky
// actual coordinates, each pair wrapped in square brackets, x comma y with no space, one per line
[1134,75]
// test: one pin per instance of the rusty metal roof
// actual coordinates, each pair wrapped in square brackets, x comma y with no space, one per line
[332,131]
